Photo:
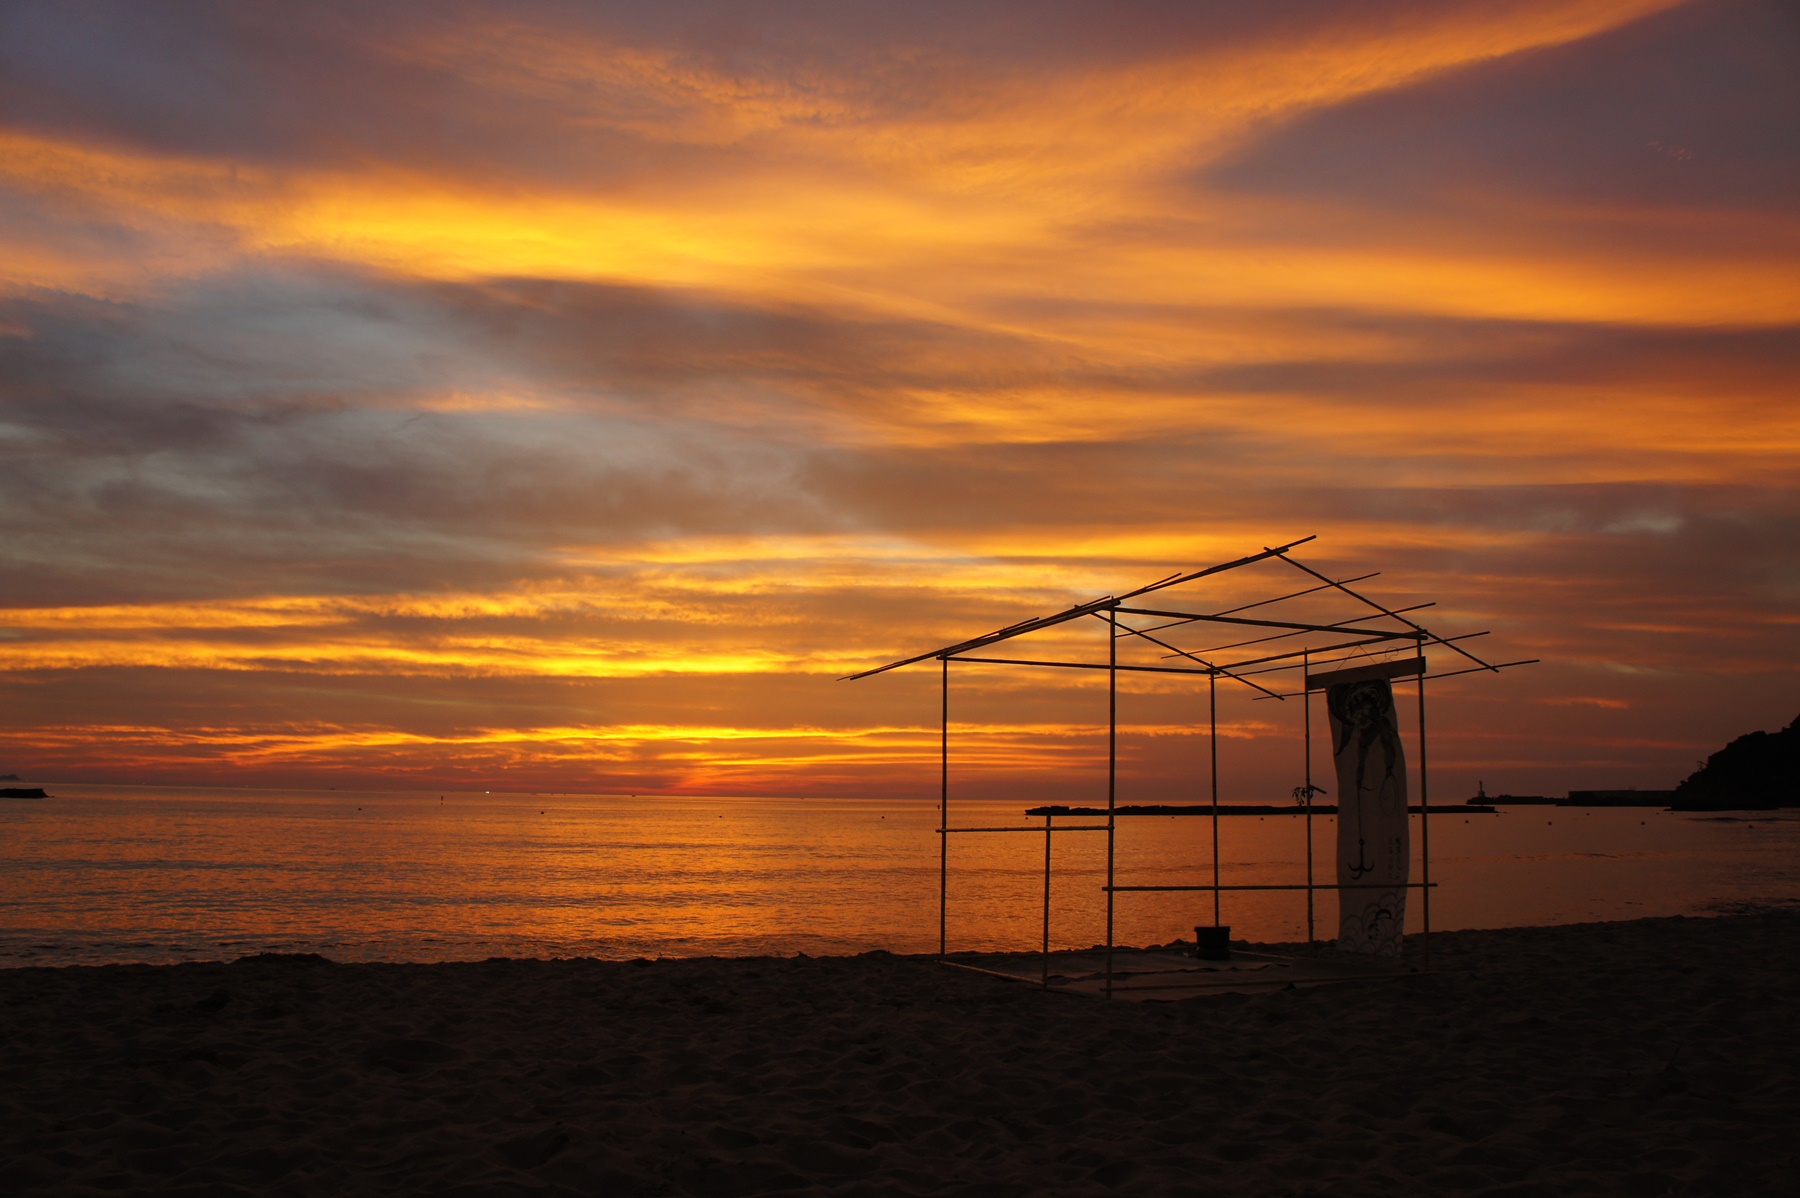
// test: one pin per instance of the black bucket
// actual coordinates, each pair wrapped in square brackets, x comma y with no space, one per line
[1213,944]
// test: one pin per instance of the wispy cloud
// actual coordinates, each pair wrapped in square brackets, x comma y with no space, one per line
[576,368]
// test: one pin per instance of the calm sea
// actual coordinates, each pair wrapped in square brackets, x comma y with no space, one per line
[109,874]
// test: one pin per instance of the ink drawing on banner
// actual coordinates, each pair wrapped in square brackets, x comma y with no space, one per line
[1373,842]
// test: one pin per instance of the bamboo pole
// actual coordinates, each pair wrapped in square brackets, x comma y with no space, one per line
[1424,834]
[1212,705]
[1112,781]
[1306,706]
[944,809]
[1046,972]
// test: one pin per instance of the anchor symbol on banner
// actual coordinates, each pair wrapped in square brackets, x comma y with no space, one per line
[1362,864]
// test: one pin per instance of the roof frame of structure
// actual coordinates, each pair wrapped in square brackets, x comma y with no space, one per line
[1111,607]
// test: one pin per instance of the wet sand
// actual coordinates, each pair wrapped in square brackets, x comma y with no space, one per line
[1632,1058]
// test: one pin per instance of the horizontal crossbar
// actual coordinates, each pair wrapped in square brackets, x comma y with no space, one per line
[1295,886]
[1040,829]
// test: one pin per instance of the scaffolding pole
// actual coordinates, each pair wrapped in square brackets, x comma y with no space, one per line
[944,809]
[1212,720]
[1046,975]
[1306,724]
[1112,779]
[1424,834]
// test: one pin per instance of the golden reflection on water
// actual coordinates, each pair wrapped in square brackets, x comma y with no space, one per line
[110,873]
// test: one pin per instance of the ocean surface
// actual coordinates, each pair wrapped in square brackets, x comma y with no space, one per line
[116,874]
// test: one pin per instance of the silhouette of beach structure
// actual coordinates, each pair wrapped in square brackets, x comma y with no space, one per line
[1361,650]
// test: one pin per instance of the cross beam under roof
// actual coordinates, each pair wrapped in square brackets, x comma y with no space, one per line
[1075,613]
[1383,633]
[1306,569]
[1179,652]
[1111,607]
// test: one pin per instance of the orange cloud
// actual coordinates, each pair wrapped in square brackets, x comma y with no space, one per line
[558,356]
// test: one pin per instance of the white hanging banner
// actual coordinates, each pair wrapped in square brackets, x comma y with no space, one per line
[1373,841]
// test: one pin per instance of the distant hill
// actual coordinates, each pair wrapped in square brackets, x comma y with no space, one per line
[1759,770]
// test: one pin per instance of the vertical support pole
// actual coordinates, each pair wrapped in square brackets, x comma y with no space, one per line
[1424,827]
[1112,779]
[1212,707]
[944,808]
[1306,706]
[1045,979]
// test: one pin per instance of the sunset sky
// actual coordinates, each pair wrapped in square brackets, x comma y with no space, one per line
[563,396]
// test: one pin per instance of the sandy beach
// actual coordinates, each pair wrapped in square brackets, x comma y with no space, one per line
[1645,1058]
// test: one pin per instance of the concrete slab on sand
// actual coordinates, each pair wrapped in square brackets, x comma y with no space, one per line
[1141,975]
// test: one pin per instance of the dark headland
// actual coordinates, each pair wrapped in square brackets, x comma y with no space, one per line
[1757,771]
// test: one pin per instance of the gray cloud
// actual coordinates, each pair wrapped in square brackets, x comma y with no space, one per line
[425,84]
[1441,361]
[284,427]
[1694,107]
[272,416]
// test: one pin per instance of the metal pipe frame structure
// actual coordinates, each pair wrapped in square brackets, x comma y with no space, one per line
[1342,653]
